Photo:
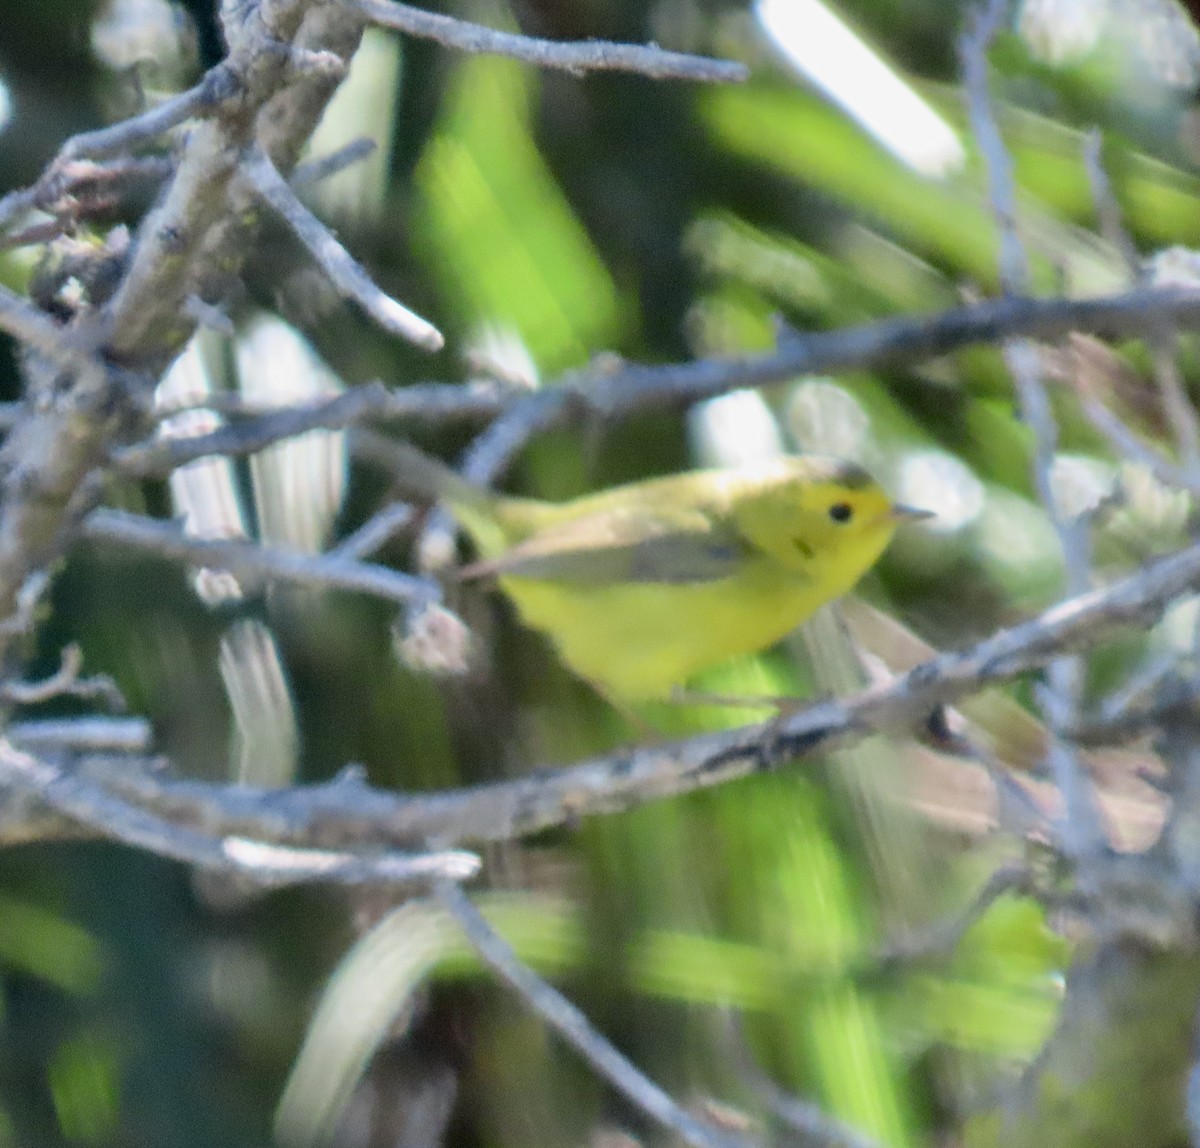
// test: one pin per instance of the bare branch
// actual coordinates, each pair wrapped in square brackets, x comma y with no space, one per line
[372,401]
[611,392]
[252,560]
[577,58]
[888,342]
[633,776]
[219,84]
[267,864]
[347,812]
[575,1028]
[344,271]
[287,61]
[615,393]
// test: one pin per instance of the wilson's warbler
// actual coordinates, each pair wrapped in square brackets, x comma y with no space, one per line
[642,586]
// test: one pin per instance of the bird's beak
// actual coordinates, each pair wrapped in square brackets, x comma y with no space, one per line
[911,513]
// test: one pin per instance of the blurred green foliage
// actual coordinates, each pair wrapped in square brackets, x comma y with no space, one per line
[555,218]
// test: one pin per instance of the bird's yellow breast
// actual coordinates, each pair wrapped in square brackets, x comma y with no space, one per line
[637,642]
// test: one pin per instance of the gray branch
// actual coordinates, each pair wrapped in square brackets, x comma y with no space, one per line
[256,561]
[609,394]
[348,813]
[81,800]
[577,58]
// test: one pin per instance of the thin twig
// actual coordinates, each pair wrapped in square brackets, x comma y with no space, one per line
[1134,717]
[28,599]
[376,532]
[1154,679]
[940,940]
[1108,210]
[577,58]
[218,85]
[576,1029]
[611,392]
[983,24]
[315,170]
[1131,448]
[1020,355]
[816,1127]
[253,560]
[492,452]
[343,270]
[66,681]
[431,402]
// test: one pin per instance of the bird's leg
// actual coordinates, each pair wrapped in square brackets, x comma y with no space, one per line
[644,731]
[780,704]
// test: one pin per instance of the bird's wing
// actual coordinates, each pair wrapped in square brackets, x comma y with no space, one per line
[634,544]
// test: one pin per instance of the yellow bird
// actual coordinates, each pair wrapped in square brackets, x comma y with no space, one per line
[642,586]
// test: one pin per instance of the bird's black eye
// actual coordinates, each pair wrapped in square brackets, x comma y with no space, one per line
[841,512]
